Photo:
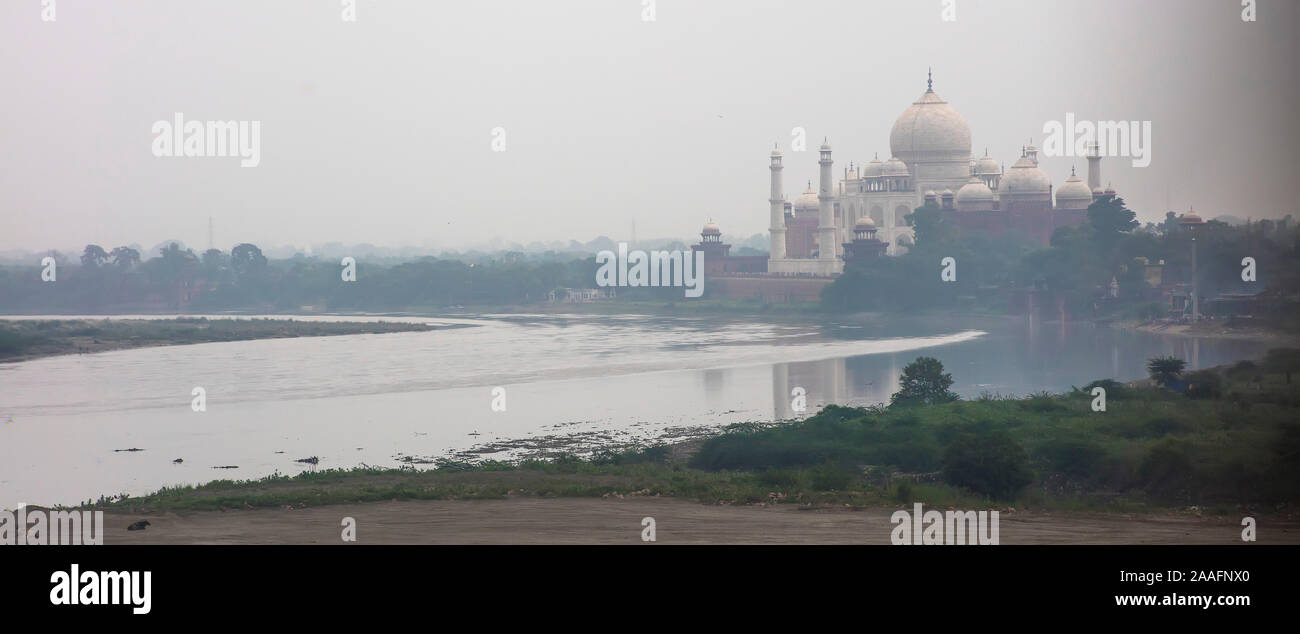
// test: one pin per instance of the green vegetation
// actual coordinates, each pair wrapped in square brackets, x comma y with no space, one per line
[26,339]
[1073,273]
[923,383]
[1153,448]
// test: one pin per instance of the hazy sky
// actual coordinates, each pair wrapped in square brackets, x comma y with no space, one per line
[380,130]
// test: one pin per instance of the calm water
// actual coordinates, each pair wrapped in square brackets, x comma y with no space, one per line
[372,399]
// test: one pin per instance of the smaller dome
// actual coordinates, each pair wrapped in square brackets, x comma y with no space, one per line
[865,223]
[1190,218]
[873,169]
[776,151]
[895,167]
[1074,194]
[1025,177]
[826,145]
[987,165]
[711,229]
[974,191]
[1097,191]
[1110,191]
[807,201]
[929,194]
[947,193]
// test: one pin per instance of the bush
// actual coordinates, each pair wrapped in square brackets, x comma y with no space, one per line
[833,477]
[1114,389]
[990,463]
[1167,470]
[1072,457]
[1165,370]
[1204,384]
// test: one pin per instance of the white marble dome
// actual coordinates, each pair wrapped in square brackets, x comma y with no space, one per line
[1074,194]
[987,165]
[873,169]
[930,129]
[865,223]
[807,201]
[711,229]
[1025,177]
[974,191]
[895,167]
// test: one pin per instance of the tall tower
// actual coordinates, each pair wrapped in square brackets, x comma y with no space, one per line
[777,201]
[825,215]
[1094,166]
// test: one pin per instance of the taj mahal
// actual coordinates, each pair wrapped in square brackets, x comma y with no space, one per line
[930,161]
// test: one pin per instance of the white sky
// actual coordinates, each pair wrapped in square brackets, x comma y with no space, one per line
[380,130]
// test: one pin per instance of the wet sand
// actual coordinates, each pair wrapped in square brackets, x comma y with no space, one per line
[618,521]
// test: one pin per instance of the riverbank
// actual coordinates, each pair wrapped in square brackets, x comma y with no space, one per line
[1226,453]
[1227,329]
[528,520]
[23,340]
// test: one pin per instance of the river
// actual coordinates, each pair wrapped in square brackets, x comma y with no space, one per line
[569,381]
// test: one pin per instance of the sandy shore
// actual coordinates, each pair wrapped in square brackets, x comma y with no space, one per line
[1212,330]
[615,521]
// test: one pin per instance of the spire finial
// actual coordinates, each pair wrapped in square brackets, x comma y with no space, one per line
[1071,170]
[929,79]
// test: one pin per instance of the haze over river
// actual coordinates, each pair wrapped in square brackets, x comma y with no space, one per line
[597,380]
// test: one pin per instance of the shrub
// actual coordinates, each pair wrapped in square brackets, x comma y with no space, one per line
[1167,470]
[1072,457]
[990,463]
[1204,384]
[923,382]
[1165,370]
[1114,389]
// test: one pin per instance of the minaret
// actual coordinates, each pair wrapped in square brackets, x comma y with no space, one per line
[1094,166]
[777,200]
[825,215]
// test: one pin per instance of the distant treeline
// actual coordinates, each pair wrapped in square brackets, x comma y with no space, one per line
[244,279]
[1075,272]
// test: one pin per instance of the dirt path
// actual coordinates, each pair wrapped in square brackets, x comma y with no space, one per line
[613,521]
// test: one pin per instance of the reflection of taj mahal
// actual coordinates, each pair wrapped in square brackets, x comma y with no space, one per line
[930,147]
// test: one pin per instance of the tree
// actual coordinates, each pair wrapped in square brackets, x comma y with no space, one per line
[1283,360]
[125,257]
[923,382]
[247,258]
[928,225]
[94,256]
[1165,370]
[1109,218]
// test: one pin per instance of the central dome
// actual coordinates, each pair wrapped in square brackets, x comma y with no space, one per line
[930,130]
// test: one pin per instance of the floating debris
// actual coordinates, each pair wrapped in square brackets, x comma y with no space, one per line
[227,467]
[131,449]
[138,526]
[178,461]
[311,460]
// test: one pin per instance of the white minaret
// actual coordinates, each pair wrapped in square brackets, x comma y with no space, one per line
[1094,166]
[777,200]
[825,214]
